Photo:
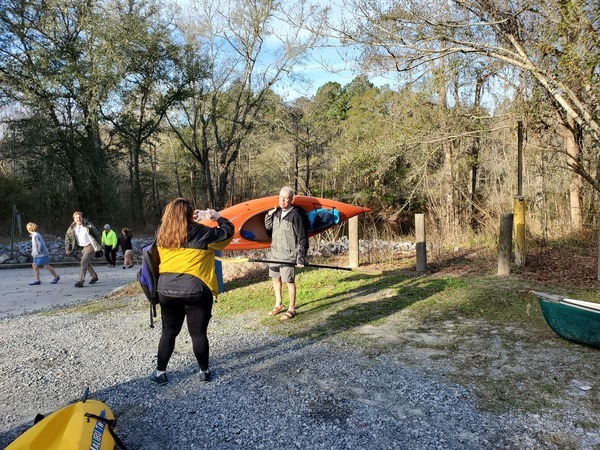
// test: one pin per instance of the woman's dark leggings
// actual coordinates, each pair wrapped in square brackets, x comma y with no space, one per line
[110,254]
[173,311]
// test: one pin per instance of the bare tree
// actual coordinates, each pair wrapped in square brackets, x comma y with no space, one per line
[405,35]
[156,73]
[249,49]
[554,42]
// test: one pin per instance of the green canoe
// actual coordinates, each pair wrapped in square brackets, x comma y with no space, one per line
[575,320]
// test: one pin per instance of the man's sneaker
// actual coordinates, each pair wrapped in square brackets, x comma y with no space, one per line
[160,379]
[93,280]
[55,280]
[35,283]
[79,284]
[205,375]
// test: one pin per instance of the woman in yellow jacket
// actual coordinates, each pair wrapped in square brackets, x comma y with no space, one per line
[187,280]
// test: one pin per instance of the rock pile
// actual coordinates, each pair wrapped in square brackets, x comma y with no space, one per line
[341,246]
[21,251]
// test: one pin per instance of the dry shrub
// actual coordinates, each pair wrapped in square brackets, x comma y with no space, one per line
[248,271]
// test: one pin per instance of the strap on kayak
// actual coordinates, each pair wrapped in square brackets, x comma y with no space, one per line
[111,424]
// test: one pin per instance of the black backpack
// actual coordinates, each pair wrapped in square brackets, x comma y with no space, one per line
[148,276]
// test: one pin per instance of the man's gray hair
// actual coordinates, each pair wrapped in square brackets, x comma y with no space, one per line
[289,190]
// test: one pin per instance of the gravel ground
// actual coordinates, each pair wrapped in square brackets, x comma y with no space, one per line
[267,392]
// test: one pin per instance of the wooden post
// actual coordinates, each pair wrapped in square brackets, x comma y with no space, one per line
[421,243]
[505,244]
[519,225]
[353,249]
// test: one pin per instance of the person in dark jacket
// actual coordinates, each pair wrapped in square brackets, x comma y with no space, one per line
[83,236]
[187,280]
[126,247]
[288,225]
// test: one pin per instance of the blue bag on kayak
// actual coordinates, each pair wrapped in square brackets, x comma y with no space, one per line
[321,218]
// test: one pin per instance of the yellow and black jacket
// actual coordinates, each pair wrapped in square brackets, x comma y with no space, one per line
[190,271]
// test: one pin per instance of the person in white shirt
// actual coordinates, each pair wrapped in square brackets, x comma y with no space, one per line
[83,236]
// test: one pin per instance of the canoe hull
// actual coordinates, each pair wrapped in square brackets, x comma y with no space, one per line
[248,218]
[575,320]
[69,429]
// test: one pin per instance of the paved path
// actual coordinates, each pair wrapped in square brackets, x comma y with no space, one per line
[18,297]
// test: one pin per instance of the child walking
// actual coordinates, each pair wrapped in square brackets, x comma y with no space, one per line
[41,256]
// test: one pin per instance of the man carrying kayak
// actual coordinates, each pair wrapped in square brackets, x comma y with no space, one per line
[287,225]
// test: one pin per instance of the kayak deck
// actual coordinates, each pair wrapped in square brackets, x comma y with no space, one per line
[70,428]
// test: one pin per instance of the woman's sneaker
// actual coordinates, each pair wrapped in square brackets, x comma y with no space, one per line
[205,375]
[55,280]
[159,379]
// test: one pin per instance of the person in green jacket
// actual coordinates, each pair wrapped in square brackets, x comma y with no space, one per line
[110,243]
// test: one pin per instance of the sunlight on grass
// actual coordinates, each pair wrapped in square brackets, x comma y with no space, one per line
[329,302]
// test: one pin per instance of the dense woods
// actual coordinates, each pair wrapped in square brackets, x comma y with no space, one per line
[115,107]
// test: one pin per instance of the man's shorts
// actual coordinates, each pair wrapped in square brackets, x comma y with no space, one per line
[285,271]
[41,261]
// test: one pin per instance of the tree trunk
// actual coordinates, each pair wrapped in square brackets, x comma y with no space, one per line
[573,147]
[137,208]
[474,151]
[307,176]
[449,178]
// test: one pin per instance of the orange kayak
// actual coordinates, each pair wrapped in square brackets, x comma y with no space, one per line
[248,218]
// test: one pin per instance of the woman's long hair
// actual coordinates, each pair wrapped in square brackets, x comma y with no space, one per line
[175,219]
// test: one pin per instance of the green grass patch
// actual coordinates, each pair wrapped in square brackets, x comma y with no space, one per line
[329,302]
[487,332]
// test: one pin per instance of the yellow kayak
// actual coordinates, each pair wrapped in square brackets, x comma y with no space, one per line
[87,424]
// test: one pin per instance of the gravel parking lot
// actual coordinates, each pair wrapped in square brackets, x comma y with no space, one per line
[268,391]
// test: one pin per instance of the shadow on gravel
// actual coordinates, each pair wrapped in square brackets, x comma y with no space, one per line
[179,414]
[365,304]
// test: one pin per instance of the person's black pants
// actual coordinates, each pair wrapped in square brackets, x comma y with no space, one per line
[111,255]
[173,311]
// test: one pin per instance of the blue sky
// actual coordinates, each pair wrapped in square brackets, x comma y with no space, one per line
[325,65]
